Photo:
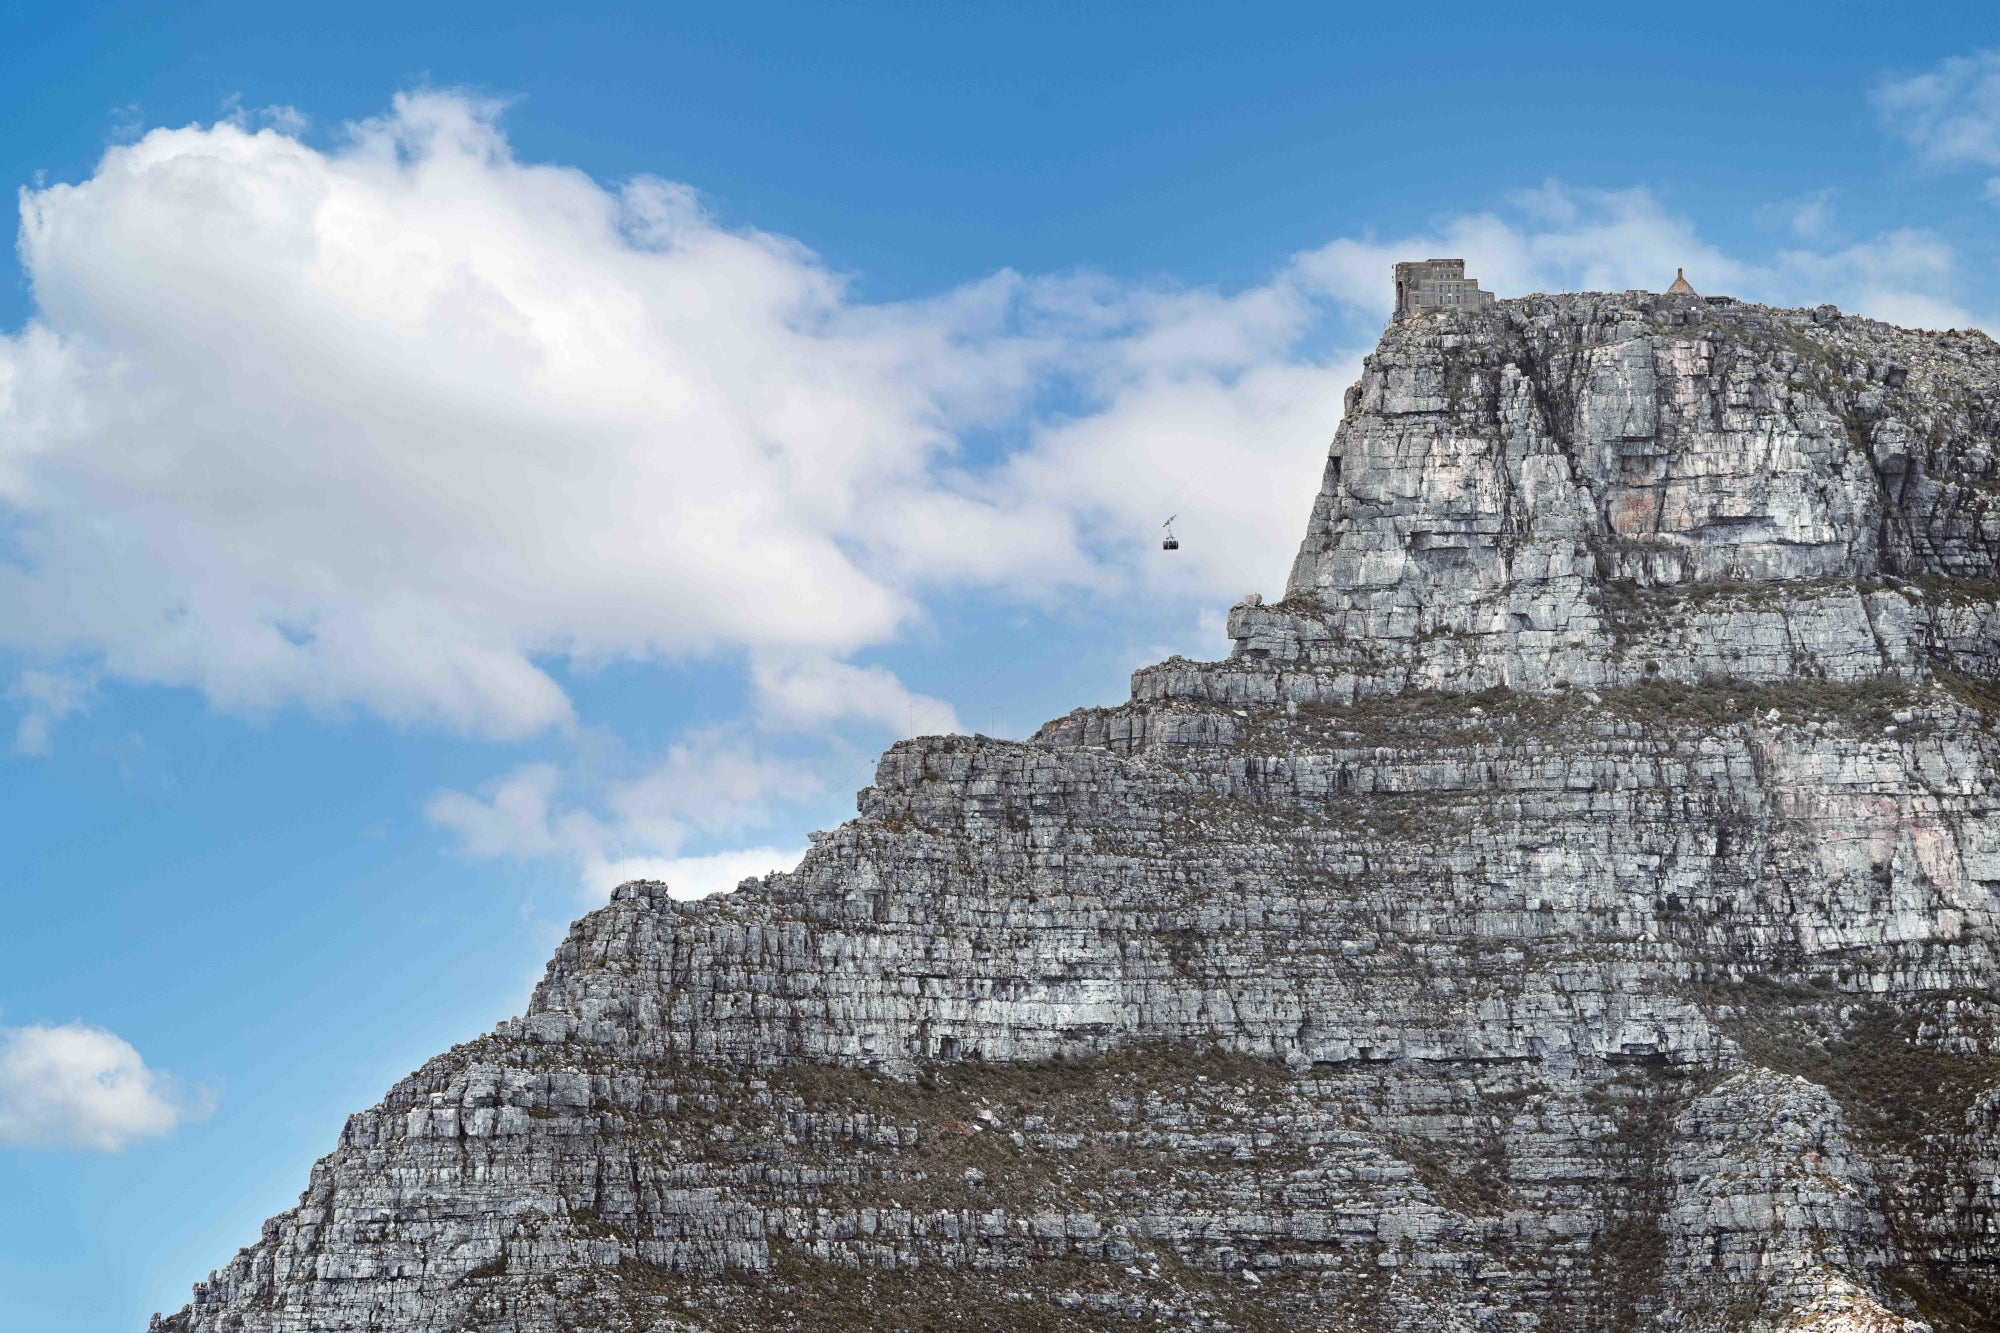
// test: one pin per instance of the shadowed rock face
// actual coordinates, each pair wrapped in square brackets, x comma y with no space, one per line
[1572,907]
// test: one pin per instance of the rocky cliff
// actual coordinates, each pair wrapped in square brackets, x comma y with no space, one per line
[1573,906]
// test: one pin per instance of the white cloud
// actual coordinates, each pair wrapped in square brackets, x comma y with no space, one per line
[613,819]
[1237,457]
[715,780]
[1566,238]
[401,425]
[1810,216]
[394,426]
[1905,277]
[512,819]
[1950,114]
[1553,238]
[288,120]
[811,694]
[74,1086]
[45,698]
[690,876]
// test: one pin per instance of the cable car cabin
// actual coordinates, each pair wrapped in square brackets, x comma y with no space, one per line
[1170,544]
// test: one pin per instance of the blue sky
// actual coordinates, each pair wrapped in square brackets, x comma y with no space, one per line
[450,459]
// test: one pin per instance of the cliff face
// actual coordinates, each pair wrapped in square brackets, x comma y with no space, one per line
[1573,906]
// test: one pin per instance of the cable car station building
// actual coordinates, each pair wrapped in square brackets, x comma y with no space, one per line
[1436,284]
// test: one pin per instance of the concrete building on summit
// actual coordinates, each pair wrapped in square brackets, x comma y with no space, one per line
[1436,284]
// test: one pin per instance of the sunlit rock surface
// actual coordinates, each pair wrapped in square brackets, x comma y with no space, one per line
[1572,906]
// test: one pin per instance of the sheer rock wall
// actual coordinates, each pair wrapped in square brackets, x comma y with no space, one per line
[1573,906]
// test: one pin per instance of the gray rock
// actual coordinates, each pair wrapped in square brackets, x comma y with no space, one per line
[1573,906]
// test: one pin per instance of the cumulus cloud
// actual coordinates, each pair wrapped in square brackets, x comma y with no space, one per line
[74,1086]
[397,425]
[401,425]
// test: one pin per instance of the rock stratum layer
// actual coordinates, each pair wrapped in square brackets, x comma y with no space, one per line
[1573,906]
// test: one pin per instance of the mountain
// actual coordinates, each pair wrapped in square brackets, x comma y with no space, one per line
[1572,906]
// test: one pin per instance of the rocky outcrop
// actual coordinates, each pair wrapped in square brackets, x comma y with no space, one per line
[1597,489]
[1573,906]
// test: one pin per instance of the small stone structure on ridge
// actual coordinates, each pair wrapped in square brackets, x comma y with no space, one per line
[1436,284]
[1681,286]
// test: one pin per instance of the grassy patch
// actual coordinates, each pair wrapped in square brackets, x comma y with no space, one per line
[1895,1088]
[1906,1101]
[1865,706]
[1978,693]
[1466,1177]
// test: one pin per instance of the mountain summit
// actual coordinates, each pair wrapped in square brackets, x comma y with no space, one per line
[1572,906]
